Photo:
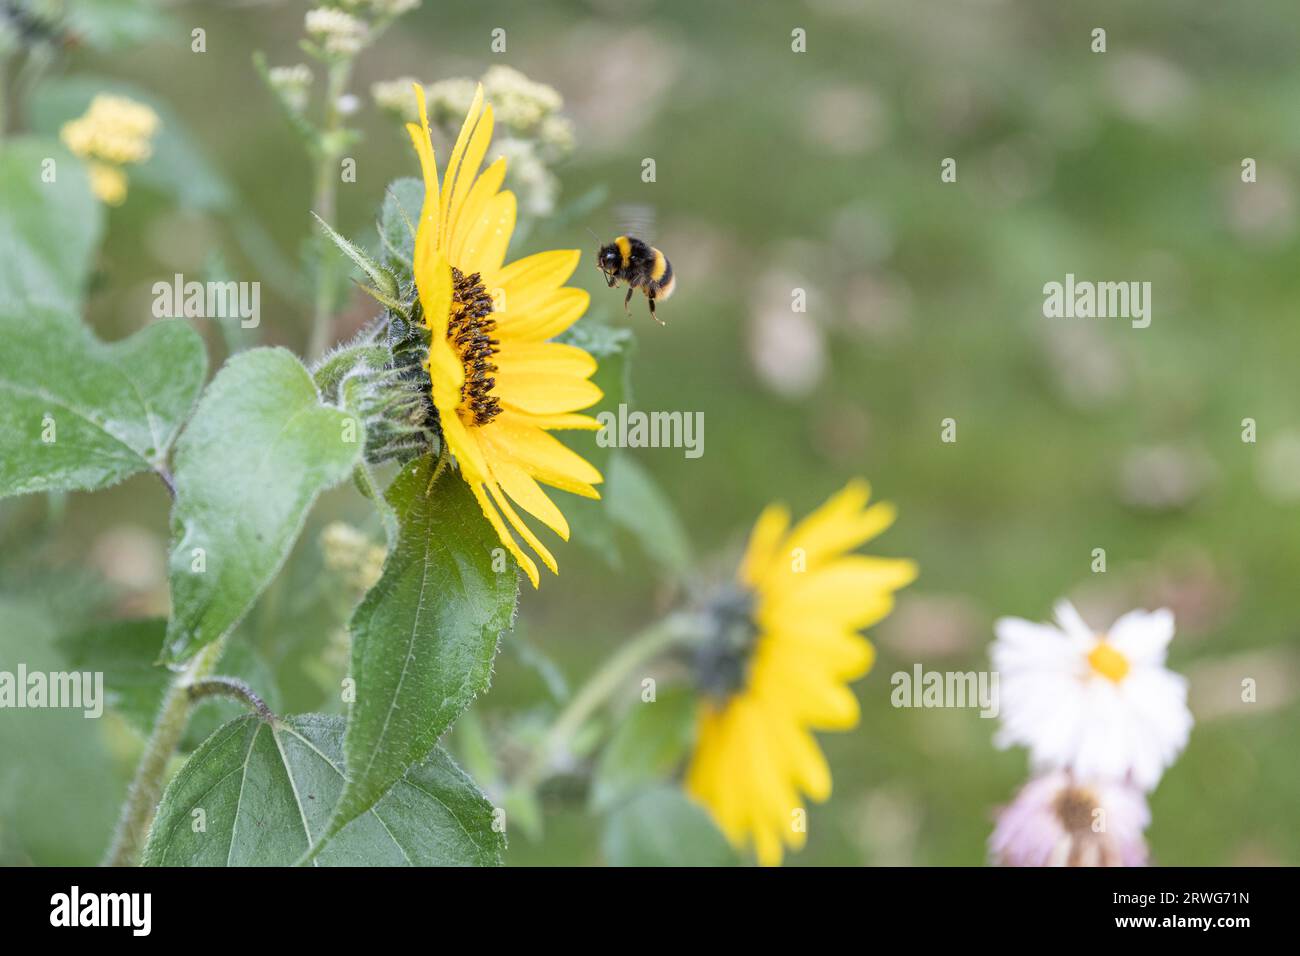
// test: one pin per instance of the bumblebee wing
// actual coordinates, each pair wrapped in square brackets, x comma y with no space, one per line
[636,219]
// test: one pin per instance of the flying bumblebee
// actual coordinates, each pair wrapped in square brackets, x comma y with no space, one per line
[641,266]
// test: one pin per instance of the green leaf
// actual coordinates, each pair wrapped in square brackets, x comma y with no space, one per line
[636,503]
[78,414]
[266,789]
[258,451]
[49,231]
[126,653]
[397,217]
[424,637]
[661,827]
[646,748]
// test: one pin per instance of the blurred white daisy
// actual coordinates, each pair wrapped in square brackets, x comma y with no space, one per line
[1057,821]
[1101,705]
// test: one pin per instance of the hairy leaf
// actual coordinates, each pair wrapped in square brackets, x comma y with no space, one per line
[76,414]
[424,637]
[259,793]
[400,213]
[50,224]
[258,451]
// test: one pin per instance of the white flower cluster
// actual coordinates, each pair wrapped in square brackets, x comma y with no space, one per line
[338,33]
[527,175]
[293,83]
[519,102]
[397,97]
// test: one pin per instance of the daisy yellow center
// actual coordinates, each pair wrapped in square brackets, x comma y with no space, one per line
[722,661]
[1108,662]
[469,330]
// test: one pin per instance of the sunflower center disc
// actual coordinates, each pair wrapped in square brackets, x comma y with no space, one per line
[469,330]
[722,661]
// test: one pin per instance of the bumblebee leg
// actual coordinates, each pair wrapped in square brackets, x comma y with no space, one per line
[626,299]
[654,315]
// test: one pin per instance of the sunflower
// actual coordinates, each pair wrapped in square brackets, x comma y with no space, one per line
[782,650]
[498,383]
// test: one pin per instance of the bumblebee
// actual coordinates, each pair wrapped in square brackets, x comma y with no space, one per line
[641,266]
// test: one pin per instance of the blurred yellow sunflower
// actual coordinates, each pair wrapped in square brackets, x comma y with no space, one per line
[783,647]
[499,384]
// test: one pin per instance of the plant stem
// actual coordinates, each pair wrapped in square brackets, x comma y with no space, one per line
[146,789]
[672,630]
[233,688]
[324,202]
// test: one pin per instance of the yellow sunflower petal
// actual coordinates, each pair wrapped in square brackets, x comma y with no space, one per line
[846,653]
[472,140]
[465,443]
[518,523]
[544,393]
[763,542]
[807,688]
[548,460]
[545,357]
[526,493]
[445,367]
[844,579]
[841,524]
[531,279]
[803,758]
[426,234]
[730,807]
[702,777]
[485,187]
[503,533]
[541,317]
[847,610]
[770,791]
[566,421]
[485,238]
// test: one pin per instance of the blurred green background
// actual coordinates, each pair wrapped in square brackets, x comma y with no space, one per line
[778,170]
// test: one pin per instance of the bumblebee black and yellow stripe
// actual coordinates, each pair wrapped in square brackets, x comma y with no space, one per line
[659,266]
[624,249]
[662,274]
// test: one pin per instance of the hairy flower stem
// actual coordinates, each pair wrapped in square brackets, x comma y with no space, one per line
[146,789]
[327,155]
[671,631]
[233,688]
